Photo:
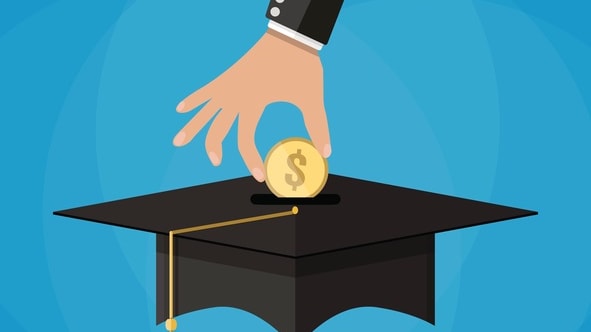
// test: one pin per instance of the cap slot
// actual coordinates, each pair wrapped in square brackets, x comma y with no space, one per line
[270,199]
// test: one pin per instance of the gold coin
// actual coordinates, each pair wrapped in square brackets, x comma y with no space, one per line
[295,168]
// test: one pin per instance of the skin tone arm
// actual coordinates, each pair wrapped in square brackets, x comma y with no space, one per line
[277,68]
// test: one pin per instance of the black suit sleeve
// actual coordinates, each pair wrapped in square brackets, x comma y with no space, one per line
[312,18]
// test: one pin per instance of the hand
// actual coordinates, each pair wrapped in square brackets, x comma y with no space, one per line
[276,68]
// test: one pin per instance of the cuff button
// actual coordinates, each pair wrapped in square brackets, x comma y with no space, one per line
[275,11]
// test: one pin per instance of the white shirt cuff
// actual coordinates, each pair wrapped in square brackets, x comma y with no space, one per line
[295,35]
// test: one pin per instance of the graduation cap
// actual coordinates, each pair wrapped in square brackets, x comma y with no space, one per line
[295,262]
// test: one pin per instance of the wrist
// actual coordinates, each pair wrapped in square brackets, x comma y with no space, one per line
[293,37]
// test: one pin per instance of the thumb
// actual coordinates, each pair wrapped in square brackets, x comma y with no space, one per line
[317,126]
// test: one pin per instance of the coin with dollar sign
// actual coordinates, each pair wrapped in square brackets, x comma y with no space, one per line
[295,169]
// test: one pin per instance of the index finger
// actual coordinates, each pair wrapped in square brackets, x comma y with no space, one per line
[196,98]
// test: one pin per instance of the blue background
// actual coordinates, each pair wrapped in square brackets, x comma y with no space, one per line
[483,99]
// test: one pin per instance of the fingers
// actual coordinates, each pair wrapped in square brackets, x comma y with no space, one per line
[191,129]
[317,126]
[217,132]
[195,99]
[246,145]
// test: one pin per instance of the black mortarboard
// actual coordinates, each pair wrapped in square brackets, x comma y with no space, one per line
[358,243]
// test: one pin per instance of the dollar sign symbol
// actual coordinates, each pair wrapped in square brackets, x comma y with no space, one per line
[300,178]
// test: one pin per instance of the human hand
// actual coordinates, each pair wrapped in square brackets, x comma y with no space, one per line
[276,68]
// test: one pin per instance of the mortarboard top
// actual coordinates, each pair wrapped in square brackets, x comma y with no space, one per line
[358,243]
